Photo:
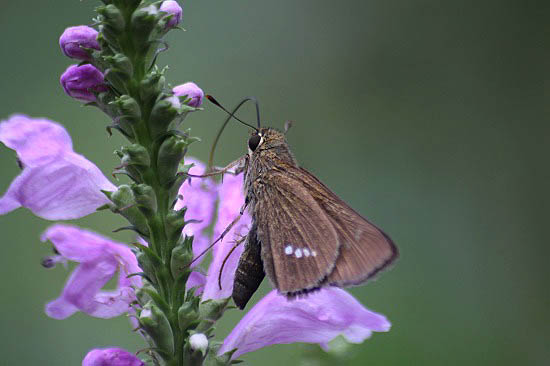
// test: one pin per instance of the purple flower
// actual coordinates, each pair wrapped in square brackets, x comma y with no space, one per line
[199,195]
[192,91]
[318,318]
[100,259]
[56,183]
[80,82]
[111,357]
[231,201]
[173,9]
[75,39]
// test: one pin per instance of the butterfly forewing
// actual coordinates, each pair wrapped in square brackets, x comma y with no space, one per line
[365,248]
[300,245]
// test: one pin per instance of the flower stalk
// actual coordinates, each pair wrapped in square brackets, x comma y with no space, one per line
[143,111]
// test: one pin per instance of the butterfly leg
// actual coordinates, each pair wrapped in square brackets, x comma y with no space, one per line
[237,243]
[226,169]
[223,234]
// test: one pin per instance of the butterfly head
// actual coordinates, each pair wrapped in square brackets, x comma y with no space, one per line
[264,139]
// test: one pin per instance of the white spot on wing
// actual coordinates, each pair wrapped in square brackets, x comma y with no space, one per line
[306,252]
[288,249]
[298,253]
[314,253]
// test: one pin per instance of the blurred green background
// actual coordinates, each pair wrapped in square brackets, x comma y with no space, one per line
[426,116]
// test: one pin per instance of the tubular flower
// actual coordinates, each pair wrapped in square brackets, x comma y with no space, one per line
[231,201]
[56,183]
[319,318]
[100,259]
[199,196]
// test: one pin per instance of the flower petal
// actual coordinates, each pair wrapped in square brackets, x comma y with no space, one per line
[99,259]
[231,202]
[317,318]
[66,188]
[196,279]
[56,183]
[81,289]
[36,140]
[199,195]
[111,357]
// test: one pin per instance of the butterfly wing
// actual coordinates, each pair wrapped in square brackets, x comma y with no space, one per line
[365,249]
[300,245]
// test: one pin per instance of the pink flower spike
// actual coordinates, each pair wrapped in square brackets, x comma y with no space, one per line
[199,195]
[111,357]
[56,183]
[317,318]
[100,259]
[231,202]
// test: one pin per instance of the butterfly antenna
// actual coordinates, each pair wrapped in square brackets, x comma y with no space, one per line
[231,114]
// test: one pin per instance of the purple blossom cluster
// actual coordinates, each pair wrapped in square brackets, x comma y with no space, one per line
[73,190]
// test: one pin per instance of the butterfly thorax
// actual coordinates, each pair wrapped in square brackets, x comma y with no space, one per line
[272,153]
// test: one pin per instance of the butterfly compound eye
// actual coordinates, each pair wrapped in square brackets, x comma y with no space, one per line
[254,141]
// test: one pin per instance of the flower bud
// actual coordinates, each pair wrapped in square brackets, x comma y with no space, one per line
[181,258]
[198,342]
[153,320]
[151,86]
[119,71]
[111,357]
[112,17]
[75,40]
[128,109]
[174,10]
[134,160]
[146,199]
[171,152]
[162,115]
[146,265]
[135,154]
[187,315]
[82,82]
[144,21]
[192,92]
[213,309]
[125,204]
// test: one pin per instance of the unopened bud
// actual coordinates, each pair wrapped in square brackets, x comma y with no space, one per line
[146,199]
[112,17]
[170,154]
[193,93]
[144,21]
[153,320]
[75,40]
[83,82]
[198,342]
[174,11]
[162,115]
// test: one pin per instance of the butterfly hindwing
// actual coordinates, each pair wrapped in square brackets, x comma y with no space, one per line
[299,243]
